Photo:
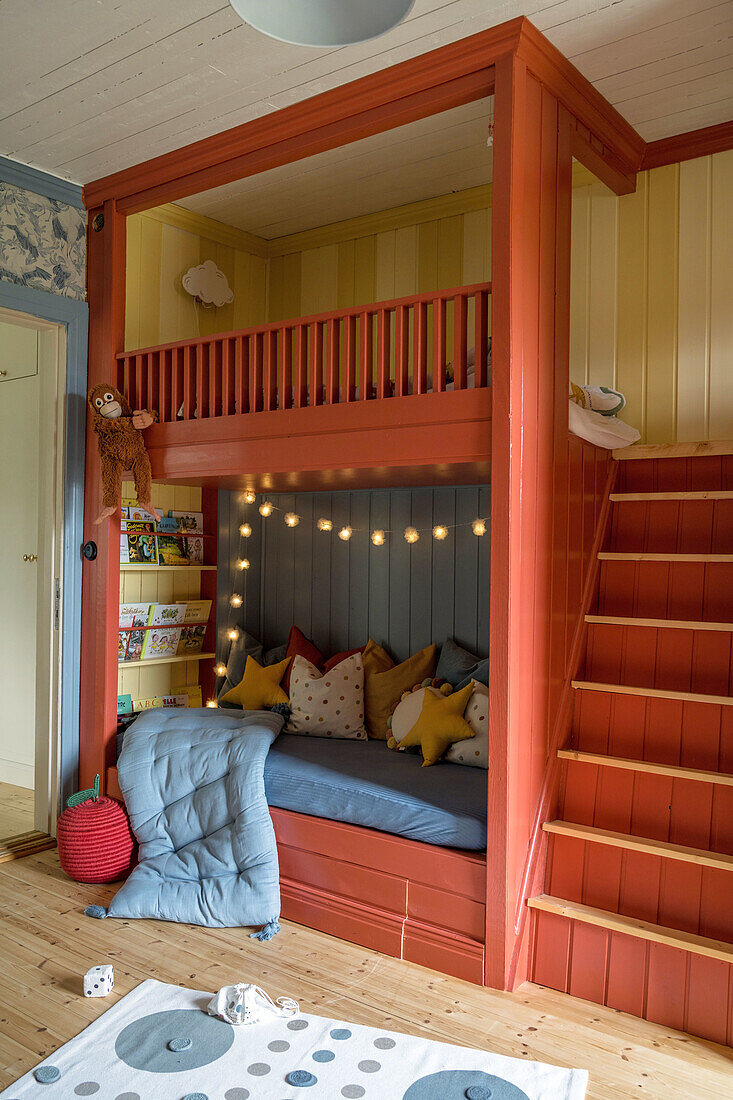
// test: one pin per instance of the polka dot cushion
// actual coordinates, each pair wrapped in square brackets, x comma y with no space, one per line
[329,704]
[475,752]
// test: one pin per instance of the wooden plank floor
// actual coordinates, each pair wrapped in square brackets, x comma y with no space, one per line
[16,810]
[47,942]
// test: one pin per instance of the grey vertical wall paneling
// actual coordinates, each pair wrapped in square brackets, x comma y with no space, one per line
[465,623]
[247,583]
[421,570]
[287,543]
[359,555]
[484,572]
[305,504]
[321,583]
[225,523]
[442,599]
[378,591]
[338,634]
[399,573]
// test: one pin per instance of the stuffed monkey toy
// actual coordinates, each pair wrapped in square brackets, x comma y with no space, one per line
[121,448]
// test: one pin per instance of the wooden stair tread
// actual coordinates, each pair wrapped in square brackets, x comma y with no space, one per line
[700,494]
[653,693]
[660,624]
[631,926]
[700,856]
[675,771]
[613,555]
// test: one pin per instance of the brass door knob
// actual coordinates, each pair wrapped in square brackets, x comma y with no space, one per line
[30,557]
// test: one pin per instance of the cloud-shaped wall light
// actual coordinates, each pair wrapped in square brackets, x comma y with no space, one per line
[207,283]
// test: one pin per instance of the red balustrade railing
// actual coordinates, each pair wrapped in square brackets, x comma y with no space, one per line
[426,343]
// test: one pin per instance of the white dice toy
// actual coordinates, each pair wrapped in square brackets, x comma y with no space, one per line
[98,981]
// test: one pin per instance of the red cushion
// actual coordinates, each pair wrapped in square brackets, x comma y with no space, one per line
[300,646]
[338,657]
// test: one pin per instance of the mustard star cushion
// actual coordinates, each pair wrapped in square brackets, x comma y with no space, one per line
[259,687]
[440,725]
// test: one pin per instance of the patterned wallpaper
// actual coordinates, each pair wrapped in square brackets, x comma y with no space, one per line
[42,242]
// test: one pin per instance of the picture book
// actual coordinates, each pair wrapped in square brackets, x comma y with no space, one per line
[165,633]
[139,543]
[172,550]
[190,523]
[192,639]
[131,641]
[124,553]
[135,512]
[197,611]
[124,705]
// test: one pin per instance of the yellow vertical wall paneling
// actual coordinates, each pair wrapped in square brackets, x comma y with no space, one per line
[721,298]
[693,343]
[662,304]
[631,312]
[579,298]
[602,286]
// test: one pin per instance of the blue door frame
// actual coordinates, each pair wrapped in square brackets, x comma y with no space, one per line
[74,316]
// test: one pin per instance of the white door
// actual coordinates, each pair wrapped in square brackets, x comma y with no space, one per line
[29,570]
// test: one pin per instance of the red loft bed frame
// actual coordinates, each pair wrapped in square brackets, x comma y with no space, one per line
[455,911]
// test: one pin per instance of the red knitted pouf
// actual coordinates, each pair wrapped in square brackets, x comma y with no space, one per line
[95,842]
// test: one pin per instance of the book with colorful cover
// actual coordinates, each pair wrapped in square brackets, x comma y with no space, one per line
[190,523]
[172,550]
[139,543]
[124,705]
[162,639]
[124,552]
[194,627]
[135,512]
[131,641]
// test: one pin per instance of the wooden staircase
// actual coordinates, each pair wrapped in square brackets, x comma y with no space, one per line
[638,908]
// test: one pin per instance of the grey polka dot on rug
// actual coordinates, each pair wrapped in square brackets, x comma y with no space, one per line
[353,1092]
[277,1046]
[143,1044]
[340,1033]
[86,1088]
[195,1096]
[384,1043]
[370,1066]
[471,1084]
[237,1094]
[259,1069]
[128,1096]
[297,1025]
[323,1056]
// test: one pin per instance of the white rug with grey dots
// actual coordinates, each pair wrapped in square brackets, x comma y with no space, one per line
[158,1043]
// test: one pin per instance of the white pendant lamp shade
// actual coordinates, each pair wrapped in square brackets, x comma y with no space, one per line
[322,22]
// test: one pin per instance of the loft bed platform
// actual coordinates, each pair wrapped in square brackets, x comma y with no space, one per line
[388,393]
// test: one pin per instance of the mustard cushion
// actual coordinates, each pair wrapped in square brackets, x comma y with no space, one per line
[259,687]
[375,659]
[382,690]
[440,725]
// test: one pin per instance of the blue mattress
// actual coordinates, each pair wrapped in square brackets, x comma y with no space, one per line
[365,783]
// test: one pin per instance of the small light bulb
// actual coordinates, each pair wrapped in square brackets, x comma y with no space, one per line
[291,519]
[324,525]
[266,508]
[250,496]
[233,634]
[411,534]
[345,533]
[236,601]
[440,532]
[211,702]
[378,538]
[221,670]
[243,563]
[478,527]
[245,530]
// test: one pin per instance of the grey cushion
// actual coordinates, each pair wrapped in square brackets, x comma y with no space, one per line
[246,645]
[458,666]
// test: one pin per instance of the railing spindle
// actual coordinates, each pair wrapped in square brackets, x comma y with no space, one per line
[270,381]
[365,341]
[481,338]
[420,372]
[300,355]
[215,377]
[189,382]
[460,347]
[349,381]
[438,345]
[383,349]
[241,374]
[315,380]
[286,369]
[402,351]
[333,365]
[257,352]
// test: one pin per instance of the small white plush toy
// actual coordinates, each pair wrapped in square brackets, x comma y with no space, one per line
[98,981]
[248,1004]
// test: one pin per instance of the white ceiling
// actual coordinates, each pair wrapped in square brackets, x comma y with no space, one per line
[88,87]
[435,156]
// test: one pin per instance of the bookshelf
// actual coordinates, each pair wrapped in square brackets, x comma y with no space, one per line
[144,583]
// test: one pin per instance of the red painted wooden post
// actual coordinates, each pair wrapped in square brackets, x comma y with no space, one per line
[349,379]
[366,354]
[215,368]
[152,367]
[200,355]
[270,381]
[460,346]
[315,380]
[257,357]
[164,384]
[402,351]
[286,369]
[438,345]
[420,376]
[189,381]
[101,577]
[241,373]
[383,349]
[300,355]
[480,337]
[333,364]
[227,376]
[176,383]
